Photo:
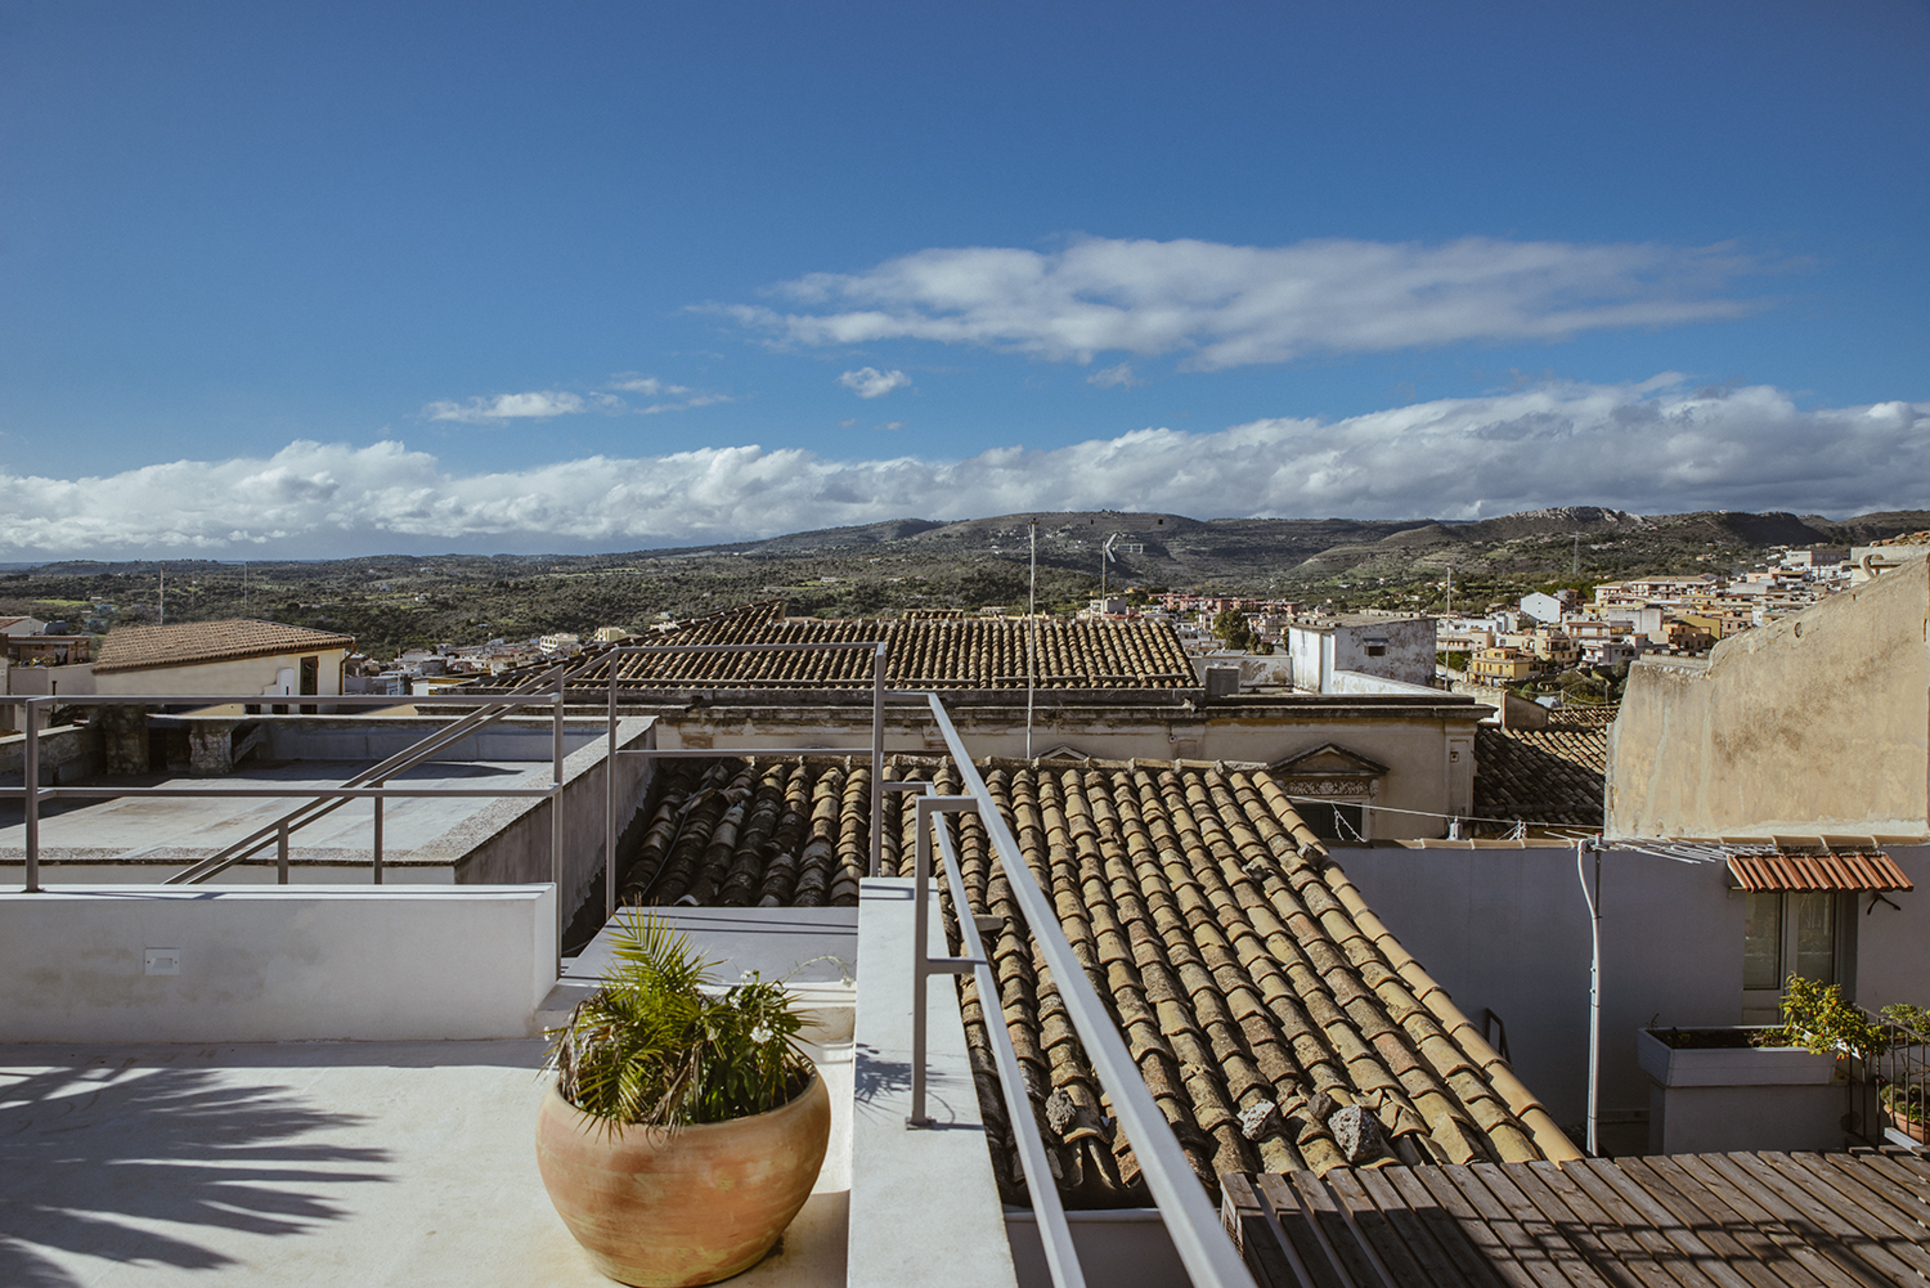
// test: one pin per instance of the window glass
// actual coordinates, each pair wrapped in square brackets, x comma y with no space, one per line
[1762,940]
[1815,916]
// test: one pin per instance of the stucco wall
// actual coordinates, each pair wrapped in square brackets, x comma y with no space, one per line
[1416,740]
[294,963]
[1507,929]
[1893,943]
[509,840]
[68,754]
[1818,724]
[247,676]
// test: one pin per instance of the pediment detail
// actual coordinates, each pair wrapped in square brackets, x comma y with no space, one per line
[1327,761]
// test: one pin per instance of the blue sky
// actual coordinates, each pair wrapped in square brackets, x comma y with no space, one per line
[353,278]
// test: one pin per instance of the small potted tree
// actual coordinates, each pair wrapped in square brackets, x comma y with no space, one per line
[685,1127]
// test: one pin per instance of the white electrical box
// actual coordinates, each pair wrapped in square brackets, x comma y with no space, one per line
[163,961]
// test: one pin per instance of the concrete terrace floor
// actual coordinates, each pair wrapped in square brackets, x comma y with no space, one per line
[324,1163]
[169,828]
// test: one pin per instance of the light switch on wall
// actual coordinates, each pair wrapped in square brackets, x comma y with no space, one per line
[163,961]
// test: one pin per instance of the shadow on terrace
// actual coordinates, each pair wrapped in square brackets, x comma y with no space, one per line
[125,1163]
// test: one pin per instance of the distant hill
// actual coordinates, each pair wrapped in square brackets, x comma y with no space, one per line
[393,601]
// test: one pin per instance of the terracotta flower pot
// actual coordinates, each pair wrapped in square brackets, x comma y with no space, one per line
[691,1206]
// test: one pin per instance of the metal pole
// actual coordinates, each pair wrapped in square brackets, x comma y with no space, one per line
[1594,898]
[1031,636]
[30,775]
[610,801]
[920,959]
[878,760]
[376,864]
[281,852]
[556,814]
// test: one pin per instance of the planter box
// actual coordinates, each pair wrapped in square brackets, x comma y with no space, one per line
[1708,1100]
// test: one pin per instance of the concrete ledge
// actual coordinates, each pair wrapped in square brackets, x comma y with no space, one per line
[814,951]
[927,1209]
[274,964]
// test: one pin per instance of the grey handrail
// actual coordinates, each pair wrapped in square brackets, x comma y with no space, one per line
[1055,1236]
[401,762]
[1204,1246]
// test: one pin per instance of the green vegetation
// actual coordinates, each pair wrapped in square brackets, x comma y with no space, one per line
[656,1044]
[1230,629]
[393,602]
[1817,1018]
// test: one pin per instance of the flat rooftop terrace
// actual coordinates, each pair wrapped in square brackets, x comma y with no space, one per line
[309,1164]
[150,837]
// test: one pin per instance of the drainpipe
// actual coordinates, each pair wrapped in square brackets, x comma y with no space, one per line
[1594,899]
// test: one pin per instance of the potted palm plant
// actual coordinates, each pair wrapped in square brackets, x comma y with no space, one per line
[685,1127]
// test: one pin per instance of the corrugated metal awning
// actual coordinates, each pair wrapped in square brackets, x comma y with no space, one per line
[1827,871]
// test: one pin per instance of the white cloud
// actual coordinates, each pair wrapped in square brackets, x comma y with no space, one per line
[695,400]
[539,405]
[869,382]
[1654,447]
[1119,377]
[648,386]
[544,404]
[1228,306]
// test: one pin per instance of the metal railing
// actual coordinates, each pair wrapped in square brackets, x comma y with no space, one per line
[1890,1088]
[876,749]
[400,763]
[1204,1246]
[318,800]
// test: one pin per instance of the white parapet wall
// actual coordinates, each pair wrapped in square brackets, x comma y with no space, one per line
[277,964]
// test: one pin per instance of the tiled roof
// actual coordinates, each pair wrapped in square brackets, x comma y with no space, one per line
[1830,871]
[1550,777]
[1258,993]
[924,653]
[139,648]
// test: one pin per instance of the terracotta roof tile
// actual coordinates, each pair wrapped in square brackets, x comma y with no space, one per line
[139,648]
[1827,871]
[1255,989]
[925,652]
[1553,777]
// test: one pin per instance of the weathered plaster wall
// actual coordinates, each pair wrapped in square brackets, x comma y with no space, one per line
[1409,654]
[68,754]
[50,681]
[247,676]
[1818,724]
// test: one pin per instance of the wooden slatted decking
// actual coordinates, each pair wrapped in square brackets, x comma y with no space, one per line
[1687,1221]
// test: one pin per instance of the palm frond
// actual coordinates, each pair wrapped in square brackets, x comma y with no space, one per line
[656,1045]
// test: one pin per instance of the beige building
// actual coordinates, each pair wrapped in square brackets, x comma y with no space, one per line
[1812,727]
[239,656]
[1390,763]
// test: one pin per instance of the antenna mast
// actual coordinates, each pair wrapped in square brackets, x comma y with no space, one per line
[1031,635]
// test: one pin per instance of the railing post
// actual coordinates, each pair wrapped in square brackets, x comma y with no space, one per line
[922,965]
[556,813]
[375,864]
[281,853]
[878,759]
[920,958]
[30,779]
[610,799]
